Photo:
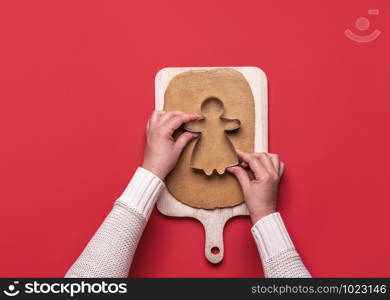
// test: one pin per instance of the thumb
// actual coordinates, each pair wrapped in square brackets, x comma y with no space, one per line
[184,138]
[241,175]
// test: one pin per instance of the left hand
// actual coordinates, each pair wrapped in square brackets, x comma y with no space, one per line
[162,151]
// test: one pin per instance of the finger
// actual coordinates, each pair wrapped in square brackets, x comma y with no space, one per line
[275,160]
[153,119]
[155,116]
[266,160]
[254,163]
[147,126]
[281,170]
[241,175]
[184,139]
[168,115]
[176,121]
[244,164]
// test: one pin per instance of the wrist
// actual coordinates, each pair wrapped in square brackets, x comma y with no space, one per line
[156,171]
[258,215]
[142,192]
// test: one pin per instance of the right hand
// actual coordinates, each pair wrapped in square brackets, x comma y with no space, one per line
[260,193]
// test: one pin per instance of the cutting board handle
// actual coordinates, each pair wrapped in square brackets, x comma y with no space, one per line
[213,228]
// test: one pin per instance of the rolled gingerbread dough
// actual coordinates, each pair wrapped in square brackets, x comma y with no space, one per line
[186,92]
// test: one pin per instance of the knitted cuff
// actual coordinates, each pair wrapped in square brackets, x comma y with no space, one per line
[142,192]
[271,236]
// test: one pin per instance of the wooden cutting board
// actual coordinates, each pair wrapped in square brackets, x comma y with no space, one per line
[214,220]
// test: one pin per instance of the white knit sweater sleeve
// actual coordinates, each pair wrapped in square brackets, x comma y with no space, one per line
[277,252]
[110,251]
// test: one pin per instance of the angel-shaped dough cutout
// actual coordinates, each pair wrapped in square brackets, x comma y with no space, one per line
[213,149]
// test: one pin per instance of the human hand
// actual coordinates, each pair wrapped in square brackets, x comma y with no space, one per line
[162,151]
[260,193]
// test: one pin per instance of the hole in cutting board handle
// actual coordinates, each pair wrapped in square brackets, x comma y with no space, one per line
[215,250]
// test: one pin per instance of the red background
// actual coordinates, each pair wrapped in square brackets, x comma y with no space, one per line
[76,89]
